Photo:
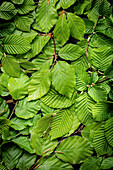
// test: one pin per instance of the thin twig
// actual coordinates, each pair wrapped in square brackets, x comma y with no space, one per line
[54,45]
[13,110]
[88,40]
[106,78]
[18,135]
[37,166]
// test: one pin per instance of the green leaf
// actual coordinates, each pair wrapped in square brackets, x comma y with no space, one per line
[70,149]
[61,124]
[101,57]
[4,80]
[16,44]
[91,163]
[6,29]
[46,15]
[39,85]
[24,143]
[76,25]
[49,48]
[29,36]
[44,124]
[37,45]
[109,72]
[11,155]
[2,167]
[17,1]
[7,10]
[53,162]
[71,52]
[41,60]
[94,77]
[97,93]
[83,108]
[109,131]
[99,142]
[101,111]
[93,14]
[93,127]
[40,145]
[18,87]
[45,109]
[63,84]
[4,124]
[56,100]
[26,161]
[23,23]
[61,30]
[89,26]
[26,109]
[107,163]
[75,122]
[105,8]
[26,7]
[66,4]
[11,66]
[20,124]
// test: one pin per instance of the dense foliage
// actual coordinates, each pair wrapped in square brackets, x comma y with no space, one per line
[56,84]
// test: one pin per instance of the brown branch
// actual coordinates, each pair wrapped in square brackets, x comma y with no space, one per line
[106,78]
[37,166]
[18,135]
[45,152]
[88,40]
[54,44]
[13,110]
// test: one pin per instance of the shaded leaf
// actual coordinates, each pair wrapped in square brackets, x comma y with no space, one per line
[109,131]
[6,28]
[26,161]
[11,155]
[107,163]
[101,111]
[91,163]
[99,142]
[24,143]
[101,57]
[7,10]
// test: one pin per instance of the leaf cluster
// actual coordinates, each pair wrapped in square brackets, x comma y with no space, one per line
[56,84]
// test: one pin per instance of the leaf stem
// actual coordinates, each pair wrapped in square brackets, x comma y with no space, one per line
[13,110]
